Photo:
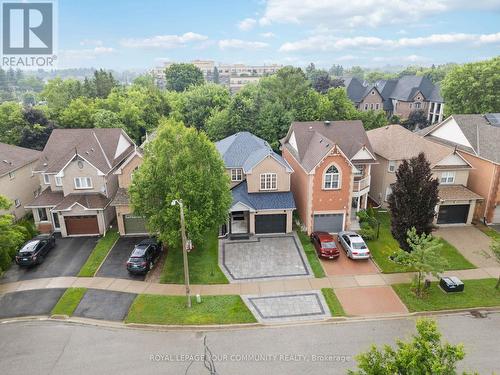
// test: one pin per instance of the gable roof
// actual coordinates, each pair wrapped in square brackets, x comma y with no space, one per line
[316,138]
[14,157]
[479,132]
[89,201]
[245,150]
[278,200]
[394,142]
[97,146]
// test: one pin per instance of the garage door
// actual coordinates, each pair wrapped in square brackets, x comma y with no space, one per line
[496,215]
[134,224]
[270,224]
[81,225]
[454,214]
[331,223]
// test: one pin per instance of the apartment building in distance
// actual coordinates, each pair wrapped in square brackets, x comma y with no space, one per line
[207,67]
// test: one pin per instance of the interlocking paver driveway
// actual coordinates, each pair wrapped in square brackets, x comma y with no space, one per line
[263,258]
[343,265]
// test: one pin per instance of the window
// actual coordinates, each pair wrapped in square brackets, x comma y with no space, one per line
[371,106]
[83,183]
[42,214]
[46,179]
[17,202]
[268,181]
[12,175]
[366,106]
[447,177]
[411,105]
[377,106]
[388,191]
[58,181]
[417,105]
[359,170]
[392,166]
[236,174]
[332,178]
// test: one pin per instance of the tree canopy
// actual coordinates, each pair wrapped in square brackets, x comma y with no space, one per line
[11,235]
[179,77]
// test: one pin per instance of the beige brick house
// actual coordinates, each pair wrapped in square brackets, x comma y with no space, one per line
[17,181]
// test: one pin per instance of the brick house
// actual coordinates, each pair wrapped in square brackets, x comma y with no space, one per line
[332,161]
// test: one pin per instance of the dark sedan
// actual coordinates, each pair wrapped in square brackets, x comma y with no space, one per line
[35,250]
[325,245]
[144,256]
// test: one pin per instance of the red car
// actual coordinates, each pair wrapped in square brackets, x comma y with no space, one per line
[325,245]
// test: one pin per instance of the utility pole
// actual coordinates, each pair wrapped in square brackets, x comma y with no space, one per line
[184,250]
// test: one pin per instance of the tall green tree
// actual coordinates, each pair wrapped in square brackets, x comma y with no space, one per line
[12,122]
[181,76]
[424,354]
[38,129]
[11,235]
[59,93]
[181,163]
[417,119]
[473,88]
[413,200]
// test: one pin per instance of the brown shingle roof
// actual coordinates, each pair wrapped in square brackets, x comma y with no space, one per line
[92,201]
[47,198]
[14,157]
[121,198]
[456,193]
[97,146]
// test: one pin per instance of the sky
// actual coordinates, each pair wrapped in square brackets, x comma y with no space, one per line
[128,34]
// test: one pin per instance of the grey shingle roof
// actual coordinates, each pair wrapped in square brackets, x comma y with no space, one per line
[121,198]
[262,201]
[47,198]
[14,157]
[91,201]
[245,150]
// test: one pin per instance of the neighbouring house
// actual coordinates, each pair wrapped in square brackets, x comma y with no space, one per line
[17,181]
[477,139]
[76,171]
[392,144]
[332,162]
[260,186]
[397,96]
[129,224]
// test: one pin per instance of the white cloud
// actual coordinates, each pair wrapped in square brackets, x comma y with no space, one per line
[164,41]
[397,59]
[76,55]
[268,35]
[241,44]
[347,58]
[489,38]
[247,24]
[91,42]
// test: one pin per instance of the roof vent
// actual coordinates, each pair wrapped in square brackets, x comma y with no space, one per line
[327,122]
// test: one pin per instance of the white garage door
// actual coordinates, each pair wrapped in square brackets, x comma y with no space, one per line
[496,215]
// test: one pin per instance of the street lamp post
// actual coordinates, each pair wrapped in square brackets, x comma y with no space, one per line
[184,250]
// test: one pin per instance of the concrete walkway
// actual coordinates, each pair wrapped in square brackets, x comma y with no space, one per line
[253,288]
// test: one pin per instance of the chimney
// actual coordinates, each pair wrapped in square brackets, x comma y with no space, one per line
[327,122]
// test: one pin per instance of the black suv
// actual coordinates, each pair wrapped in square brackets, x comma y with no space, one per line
[35,250]
[144,255]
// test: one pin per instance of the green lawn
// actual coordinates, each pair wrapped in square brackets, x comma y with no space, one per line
[69,301]
[477,293]
[489,231]
[99,253]
[383,247]
[311,254]
[203,264]
[154,309]
[332,302]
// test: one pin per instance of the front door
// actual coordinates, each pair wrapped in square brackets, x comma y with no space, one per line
[239,222]
[55,221]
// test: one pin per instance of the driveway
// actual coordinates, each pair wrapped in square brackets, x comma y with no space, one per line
[105,304]
[343,265]
[65,259]
[471,242]
[29,302]
[377,300]
[263,258]
[114,264]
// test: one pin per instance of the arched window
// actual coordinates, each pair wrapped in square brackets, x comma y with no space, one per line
[332,178]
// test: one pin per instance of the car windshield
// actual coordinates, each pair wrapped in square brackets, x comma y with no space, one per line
[29,247]
[328,245]
[359,245]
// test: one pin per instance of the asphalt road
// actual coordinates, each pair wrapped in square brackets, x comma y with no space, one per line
[114,265]
[63,348]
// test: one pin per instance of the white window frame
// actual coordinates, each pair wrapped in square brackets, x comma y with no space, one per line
[391,168]
[366,106]
[46,179]
[447,178]
[236,174]
[377,106]
[417,105]
[328,178]
[388,191]
[268,181]
[80,185]
[39,217]
[17,202]
[58,181]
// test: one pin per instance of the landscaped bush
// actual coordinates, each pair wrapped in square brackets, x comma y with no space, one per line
[367,232]
[368,223]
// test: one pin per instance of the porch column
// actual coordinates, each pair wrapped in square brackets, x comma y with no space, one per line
[359,202]
[365,202]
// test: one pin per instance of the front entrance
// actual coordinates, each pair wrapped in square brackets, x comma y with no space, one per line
[270,223]
[453,214]
[81,225]
[55,221]
[239,222]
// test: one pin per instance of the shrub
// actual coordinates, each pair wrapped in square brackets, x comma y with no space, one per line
[367,231]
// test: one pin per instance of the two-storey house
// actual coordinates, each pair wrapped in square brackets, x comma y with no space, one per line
[477,139]
[332,161]
[17,181]
[76,171]
[392,144]
[260,180]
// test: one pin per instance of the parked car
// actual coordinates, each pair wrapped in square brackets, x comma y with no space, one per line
[35,250]
[144,256]
[353,245]
[325,245]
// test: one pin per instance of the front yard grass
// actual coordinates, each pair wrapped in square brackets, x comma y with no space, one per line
[490,232]
[383,247]
[332,302]
[154,309]
[203,264]
[311,254]
[99,253]
[69,301]
[477,293]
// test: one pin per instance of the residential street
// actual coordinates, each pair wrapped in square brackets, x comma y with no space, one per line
[62,348]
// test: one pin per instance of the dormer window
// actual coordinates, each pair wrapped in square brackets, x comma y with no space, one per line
[236,174]
[268,181]
[331,179]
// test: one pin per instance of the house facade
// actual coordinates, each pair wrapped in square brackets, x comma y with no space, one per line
[17,180]
[392,144]
[397,96]
[477,140]
[260,186]
[332,161]
[76,172]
